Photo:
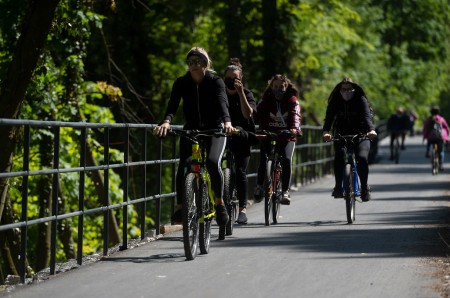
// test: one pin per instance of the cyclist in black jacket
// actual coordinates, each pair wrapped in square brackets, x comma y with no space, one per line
[348,113]
[205,106]
[242,105]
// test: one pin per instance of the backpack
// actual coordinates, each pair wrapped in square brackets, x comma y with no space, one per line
[435,133]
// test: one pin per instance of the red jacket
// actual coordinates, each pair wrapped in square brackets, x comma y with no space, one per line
[274,115]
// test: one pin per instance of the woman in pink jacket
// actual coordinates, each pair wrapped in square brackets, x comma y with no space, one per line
[436,131]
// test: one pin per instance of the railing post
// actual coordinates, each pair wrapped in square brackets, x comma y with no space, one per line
[125,172]
[81,195]
[144,184]
[24,217]
[106,193]
[158,183]
[174,175]
[55,193]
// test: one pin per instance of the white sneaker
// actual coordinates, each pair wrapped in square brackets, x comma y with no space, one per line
[286,198]
[258,194]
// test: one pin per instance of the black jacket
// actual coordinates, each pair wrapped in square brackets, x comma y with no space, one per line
[237,119]
[348,117]
[205,106]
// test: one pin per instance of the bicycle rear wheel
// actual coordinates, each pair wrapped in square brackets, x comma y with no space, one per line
[277,193]
[349,194]
[190,216]
[205,224]
[268,193]
[434,160]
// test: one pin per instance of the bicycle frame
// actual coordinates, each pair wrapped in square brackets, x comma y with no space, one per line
[198,167]
[350,159]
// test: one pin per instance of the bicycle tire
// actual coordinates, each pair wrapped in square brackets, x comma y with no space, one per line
[228,192]
[396,150]
[434,160]
[268,193]
[190,216]
[349,194]
[277,193]
[205,225]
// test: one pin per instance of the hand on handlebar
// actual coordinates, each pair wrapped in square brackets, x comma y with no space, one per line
[161,131]
[372,134]
[326,136]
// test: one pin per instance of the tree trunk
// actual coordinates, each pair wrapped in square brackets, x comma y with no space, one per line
[233,28]
[34,31]
[45,203]
[271,50]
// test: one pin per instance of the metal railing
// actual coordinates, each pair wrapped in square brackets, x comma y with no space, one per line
[312,159]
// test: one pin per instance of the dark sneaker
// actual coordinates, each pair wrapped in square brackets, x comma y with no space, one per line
[258,194]
[427,154]
[221,215]
[286,198]
[441,168]
[403,147]
[337,193]
[365,194]
[177,216]
[242,218]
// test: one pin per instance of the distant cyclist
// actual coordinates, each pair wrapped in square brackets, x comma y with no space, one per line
[279,110]
[436,131]
[398,124]
[205,106]
[348,113]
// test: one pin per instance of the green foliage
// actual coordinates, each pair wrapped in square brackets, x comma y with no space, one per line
[116,62]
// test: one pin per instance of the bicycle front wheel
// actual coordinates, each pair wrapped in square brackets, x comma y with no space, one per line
[205,222]
[190,216]
[349,194]
[268,191]
[277,194]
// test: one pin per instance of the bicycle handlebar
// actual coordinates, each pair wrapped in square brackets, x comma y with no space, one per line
[262,134]
[346,138]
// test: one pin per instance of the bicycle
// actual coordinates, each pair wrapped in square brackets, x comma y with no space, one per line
[272,179]
[396,148]
[198,199]
[230,193]
[350,180]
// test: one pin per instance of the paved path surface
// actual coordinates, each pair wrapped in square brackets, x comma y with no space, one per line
[312,252]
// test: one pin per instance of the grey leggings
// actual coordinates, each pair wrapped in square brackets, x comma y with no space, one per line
[215,149]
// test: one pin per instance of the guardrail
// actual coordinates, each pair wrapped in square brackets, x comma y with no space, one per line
[312,160]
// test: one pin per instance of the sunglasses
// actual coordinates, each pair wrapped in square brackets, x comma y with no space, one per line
[194,62]
[347,89]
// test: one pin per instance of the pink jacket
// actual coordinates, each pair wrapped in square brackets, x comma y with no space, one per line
[427,128]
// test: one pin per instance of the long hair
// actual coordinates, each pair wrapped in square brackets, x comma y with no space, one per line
[291,90]
[336,91]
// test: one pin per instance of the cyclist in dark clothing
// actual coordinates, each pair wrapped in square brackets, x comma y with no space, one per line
[241,107]
[205,106]
[348,113]
[398,124]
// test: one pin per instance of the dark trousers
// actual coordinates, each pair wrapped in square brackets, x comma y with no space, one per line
[361,150]
[241,153]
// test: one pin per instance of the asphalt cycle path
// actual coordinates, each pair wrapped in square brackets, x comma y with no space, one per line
[312,252]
